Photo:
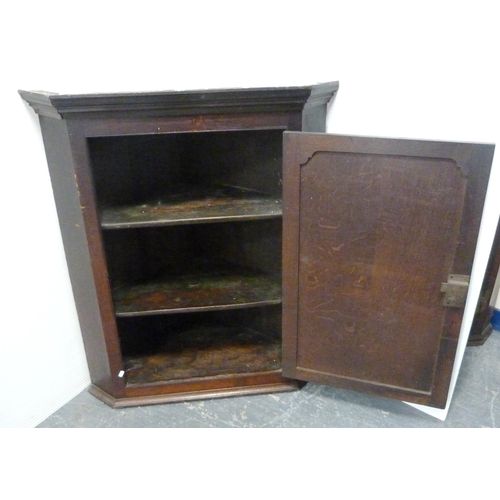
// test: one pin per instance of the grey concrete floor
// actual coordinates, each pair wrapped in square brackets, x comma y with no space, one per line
[474,405]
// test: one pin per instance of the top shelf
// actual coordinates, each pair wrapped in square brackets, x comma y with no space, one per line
[188,204]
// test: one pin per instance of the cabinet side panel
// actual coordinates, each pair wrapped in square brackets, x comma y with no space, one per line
[67,198]
[314,118]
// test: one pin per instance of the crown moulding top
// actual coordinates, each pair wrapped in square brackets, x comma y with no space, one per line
[180,102]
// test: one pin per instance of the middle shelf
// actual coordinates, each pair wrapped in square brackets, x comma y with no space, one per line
[194,267]
[210,287]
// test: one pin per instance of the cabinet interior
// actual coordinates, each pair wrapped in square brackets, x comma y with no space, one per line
[191,227]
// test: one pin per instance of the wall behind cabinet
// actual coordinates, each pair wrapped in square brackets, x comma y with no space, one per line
[406,69]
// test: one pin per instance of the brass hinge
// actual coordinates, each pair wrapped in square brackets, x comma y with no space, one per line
[455,290]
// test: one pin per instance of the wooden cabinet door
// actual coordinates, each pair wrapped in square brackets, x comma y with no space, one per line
[378,235]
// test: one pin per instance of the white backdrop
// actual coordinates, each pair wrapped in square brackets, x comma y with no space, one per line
[426,70]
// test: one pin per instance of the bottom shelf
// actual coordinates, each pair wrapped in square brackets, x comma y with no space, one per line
[205,352]
[170,349]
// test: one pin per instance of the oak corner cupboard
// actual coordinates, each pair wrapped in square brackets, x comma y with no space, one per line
[220,243]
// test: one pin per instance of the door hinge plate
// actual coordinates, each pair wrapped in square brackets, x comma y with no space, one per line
[455,290]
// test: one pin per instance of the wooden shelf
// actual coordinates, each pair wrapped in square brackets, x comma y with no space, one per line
[193,204]
[215,289]
[204,352]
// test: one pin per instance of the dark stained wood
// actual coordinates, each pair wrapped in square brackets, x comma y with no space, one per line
[190,204]
[197,253]
[117,160]
[372,229]
[101,286]
[202,352]
[222,386]
[365,292]
[136,169]
[205,288]
[210,354]
[481,327]
[184,103]
[71,194]
[123,151]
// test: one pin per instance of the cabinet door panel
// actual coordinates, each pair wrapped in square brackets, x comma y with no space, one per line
[372,229]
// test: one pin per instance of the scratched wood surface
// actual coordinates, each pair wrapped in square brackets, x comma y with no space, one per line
[377,236]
